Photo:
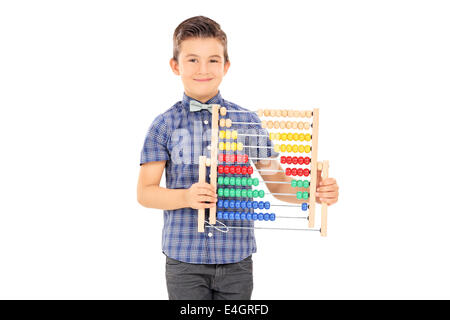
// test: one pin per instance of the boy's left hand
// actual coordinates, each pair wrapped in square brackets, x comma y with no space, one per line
[327,190]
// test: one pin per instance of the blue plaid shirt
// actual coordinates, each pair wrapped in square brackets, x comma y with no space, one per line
[179,137]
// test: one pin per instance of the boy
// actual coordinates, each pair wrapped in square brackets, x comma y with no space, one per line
[213,264]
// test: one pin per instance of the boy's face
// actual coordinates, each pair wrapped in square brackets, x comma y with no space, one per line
[202,66]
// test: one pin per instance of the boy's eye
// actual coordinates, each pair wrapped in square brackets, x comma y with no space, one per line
[192,60]
[214,60]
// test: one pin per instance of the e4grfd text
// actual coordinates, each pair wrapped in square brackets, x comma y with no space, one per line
[227,309]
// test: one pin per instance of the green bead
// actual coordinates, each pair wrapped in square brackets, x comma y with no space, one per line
[305,184]
[220,192]
[255,181]
[293,183]
[299,195]
[232,181]
[238,192]
[305,195]
[226,192]
[249,182]
[232,192]
[255,193]
[238,181]
[220,180]
[226,181]
[244,181]
[261,193]
[244,193]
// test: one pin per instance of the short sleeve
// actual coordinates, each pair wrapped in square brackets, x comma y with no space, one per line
[155,144]
[266,147]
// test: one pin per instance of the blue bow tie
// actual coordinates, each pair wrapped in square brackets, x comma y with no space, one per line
[197,106]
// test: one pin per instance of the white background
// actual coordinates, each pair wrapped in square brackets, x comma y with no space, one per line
[81,81]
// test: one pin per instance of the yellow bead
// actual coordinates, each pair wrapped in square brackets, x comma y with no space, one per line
[307,137]
[283,136]
[240,146]
[234,134]
[271,136]
[228,134]
[307,149]
[276,148]
[289,136]
[233,146]
[278,136]
[283,148]
[301,137]
[221,145]
[227,146]
[222,134]
[301,148]
[289,148]
[295,148]
[222,122]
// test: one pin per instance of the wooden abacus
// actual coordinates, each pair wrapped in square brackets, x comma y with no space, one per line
[309,132]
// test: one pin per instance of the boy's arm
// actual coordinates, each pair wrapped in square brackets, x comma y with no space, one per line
[151,195]
[327,189]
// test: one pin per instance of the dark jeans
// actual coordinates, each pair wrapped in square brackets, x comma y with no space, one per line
[188,281]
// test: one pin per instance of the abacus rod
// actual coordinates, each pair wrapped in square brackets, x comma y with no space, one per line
[267,228]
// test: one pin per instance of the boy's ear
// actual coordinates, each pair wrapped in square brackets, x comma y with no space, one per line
[174,66]
[225,67]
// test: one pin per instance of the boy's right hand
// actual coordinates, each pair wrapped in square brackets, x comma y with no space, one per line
[197,195]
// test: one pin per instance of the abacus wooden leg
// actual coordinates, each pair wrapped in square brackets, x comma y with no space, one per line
[312,189]
[323,219]
[201,178]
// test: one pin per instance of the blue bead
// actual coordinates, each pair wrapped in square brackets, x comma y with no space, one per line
[249,204]
[220,204]
[237,216]
[243,216]
[261,205]
[225,215]
[267,205]
[249,216]
[243,204]
[266,216]
[260,216]
[226,203]
[255,216]
[231,204]
[255,205]
[237,204]
[304,206]
[219,215]
[231,215]
[272,217]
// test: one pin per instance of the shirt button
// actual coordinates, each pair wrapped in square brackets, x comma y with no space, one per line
[208,147]
[205,122]
[210,234]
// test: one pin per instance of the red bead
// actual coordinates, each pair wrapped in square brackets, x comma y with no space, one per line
[232,169]
[288,160]
[244,170]
[307,160]
[245,158]
[300,160]
[305,172]
[299,172]
[226,169]
[220,156]
[249,170]
[238,169]
[235,158]
[220,169]
[283,159]
[294,160]
[238,158]
[294,171]
[288,171]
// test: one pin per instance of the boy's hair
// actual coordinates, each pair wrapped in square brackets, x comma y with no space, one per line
[198,27]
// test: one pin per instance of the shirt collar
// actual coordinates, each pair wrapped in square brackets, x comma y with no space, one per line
[217,99]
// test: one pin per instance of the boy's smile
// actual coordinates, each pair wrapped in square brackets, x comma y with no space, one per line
[201,65]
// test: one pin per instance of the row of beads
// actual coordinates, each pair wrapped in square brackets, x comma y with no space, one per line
[231,146]
[237,181]
[300,183]
[302,195]
[284,113]
[235,169]
[228,134]
[229,192]
[292,148]
[284,124]
[297,172]
[245,216]
[289,136]
[295,160]
[233,157]
[242,204]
